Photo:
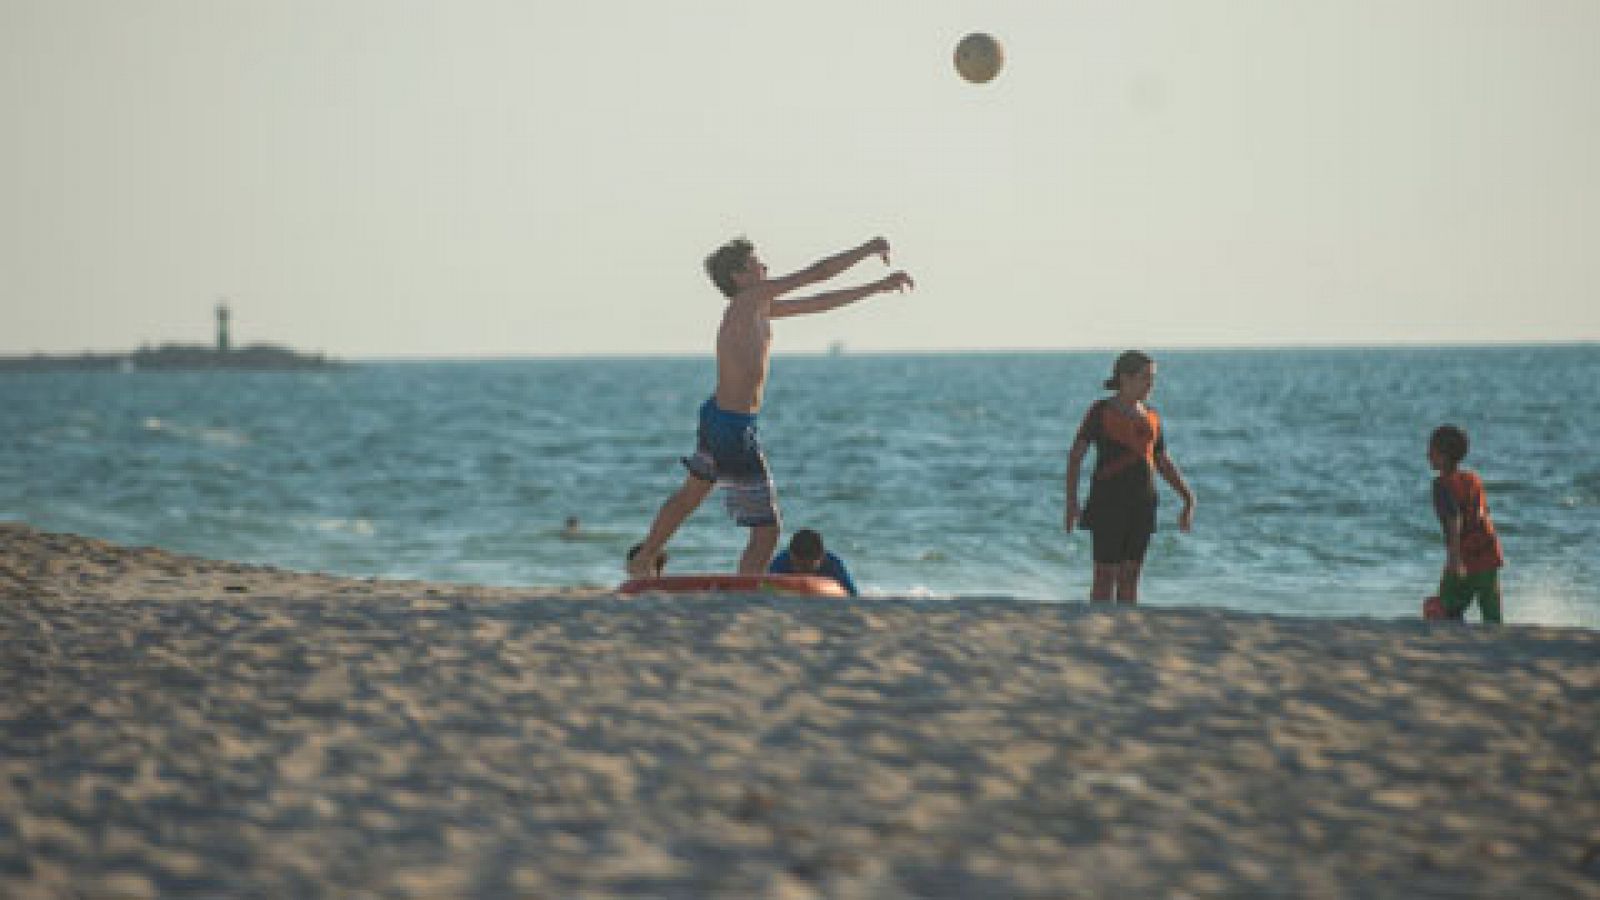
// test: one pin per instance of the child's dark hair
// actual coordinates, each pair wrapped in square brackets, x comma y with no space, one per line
[1131,362]
[806,544]
[1451,443]
[725,260]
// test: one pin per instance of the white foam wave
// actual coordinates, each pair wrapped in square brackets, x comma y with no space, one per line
[218,437]
[335,525]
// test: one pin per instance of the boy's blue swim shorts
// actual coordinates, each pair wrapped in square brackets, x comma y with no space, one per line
[728,452]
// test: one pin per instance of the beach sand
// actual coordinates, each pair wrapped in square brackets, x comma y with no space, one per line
[174,726]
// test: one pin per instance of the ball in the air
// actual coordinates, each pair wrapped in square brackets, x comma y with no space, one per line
[979,58]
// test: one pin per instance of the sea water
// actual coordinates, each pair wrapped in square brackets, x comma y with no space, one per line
[931,475]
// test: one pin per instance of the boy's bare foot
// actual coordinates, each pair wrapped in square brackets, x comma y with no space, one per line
[641,566]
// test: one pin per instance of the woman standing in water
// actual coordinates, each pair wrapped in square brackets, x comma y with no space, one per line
[1129,450]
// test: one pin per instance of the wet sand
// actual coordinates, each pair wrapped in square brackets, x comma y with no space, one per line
[172,726]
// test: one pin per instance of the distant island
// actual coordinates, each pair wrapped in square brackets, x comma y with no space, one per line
[179,357]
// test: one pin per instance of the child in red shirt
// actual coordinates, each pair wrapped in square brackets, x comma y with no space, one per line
[1471,546]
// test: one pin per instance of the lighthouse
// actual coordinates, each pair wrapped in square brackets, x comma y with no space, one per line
[222,327]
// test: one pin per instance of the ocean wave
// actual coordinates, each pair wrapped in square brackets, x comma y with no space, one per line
[215,436]
[359,527]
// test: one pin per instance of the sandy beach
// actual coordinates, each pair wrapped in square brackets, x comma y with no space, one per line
[174,726]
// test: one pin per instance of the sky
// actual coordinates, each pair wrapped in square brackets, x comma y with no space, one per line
[390,178]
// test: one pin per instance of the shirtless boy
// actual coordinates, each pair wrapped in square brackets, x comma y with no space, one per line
[728,450]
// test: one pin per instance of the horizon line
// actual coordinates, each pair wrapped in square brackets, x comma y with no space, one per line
[1015,350]
[991,351]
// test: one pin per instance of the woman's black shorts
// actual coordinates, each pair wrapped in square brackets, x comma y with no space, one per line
[1121,532]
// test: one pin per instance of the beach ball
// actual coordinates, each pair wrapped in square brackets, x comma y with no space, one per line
[979,57]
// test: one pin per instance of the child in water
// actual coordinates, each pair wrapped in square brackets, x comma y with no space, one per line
[1472,555]
[1129,450]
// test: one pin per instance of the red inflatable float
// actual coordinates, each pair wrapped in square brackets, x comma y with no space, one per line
[791,585]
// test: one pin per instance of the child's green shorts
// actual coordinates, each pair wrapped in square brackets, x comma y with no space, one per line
[1458,592]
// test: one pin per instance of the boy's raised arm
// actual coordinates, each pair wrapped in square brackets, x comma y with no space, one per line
[823,269]
[799,306]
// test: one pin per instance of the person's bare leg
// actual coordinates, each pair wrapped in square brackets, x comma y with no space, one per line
[685,500]
[1105,578]
[1128,582]
[758,550]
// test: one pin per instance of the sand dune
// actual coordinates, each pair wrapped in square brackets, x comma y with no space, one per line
[175,726]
